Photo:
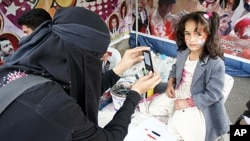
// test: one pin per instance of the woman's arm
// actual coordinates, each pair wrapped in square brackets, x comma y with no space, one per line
[130,57]
[117,128]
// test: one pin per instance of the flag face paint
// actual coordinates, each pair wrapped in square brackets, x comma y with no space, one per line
[201,42]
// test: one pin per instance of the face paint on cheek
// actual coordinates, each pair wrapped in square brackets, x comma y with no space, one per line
[201,42]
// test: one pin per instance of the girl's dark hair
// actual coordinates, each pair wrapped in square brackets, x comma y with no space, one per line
[210,24]
[223,4]
[125,6]
[114,16]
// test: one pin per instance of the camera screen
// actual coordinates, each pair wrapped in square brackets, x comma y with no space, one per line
[147,58]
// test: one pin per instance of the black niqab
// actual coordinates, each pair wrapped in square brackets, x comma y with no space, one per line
[68,51]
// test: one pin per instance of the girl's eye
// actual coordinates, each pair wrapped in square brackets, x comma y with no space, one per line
[186,34]
[199,34]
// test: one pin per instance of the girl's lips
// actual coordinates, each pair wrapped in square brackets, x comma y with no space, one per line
[193,45]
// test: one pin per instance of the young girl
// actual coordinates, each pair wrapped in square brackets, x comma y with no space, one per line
[196,81]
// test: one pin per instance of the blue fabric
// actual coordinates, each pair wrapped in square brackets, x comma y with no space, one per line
[237,68]
[163,47]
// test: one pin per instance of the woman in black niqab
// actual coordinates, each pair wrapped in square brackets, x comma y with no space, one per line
[62,50]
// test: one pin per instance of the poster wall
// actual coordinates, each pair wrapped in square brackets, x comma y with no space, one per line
[116,13]
[148,17]
[157,18]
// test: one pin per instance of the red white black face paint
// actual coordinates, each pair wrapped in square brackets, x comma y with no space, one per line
[201,42]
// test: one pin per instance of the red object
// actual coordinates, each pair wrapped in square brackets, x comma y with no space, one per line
[109,53]
[1,62]
[151,136]
[12,38]
[241,29]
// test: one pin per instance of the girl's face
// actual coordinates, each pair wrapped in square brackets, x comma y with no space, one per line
[195,40]
[123,9]
[224,23]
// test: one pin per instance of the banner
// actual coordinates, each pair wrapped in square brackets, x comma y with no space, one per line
[156,19]
[116,13]
[121,17]
[149,17]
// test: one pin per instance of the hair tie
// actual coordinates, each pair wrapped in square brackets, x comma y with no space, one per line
[208,15]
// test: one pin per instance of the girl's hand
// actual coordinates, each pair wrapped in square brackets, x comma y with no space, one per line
[170,88]
[170,91]
[181,104]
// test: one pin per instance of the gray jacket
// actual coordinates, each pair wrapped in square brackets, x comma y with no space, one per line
[206,90]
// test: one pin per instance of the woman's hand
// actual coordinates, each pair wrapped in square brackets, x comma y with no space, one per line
[146,82]
[130,57]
